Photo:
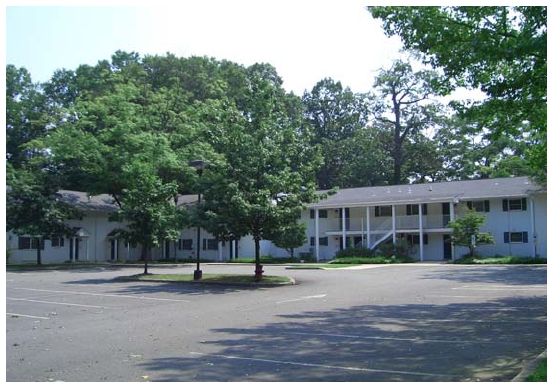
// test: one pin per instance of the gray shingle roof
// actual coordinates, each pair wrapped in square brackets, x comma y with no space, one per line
[431,192]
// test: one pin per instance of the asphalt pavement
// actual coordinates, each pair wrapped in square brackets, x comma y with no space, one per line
[410,323]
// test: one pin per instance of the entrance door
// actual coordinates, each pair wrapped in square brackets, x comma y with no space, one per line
[76,248]
[113,249]
[447,247]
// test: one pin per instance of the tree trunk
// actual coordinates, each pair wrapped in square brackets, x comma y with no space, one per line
[38,252]
[258,266]
[145,258]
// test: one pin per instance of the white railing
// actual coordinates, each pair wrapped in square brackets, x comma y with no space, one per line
[386,223]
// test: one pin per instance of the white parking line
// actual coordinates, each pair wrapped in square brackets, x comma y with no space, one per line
[58,303]
[105,295]
[302,298]
[323,366]
[418,340]
[26,316]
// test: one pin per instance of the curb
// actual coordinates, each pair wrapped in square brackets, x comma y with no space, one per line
[206,283]
[530,367]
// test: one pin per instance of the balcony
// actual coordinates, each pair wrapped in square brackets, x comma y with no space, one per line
[377,224]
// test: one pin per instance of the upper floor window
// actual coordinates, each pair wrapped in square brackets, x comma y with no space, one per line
[479,206]
[514,204]
[323,241]
[383,211]
[322,213]
[413,209]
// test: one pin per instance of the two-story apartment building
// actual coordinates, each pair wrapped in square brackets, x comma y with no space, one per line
[515,211]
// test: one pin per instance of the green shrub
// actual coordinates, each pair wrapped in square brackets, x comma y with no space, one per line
[355,252]
[400,249]
[500,260]
[372,260]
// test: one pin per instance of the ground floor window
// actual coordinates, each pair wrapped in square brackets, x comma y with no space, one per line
[323,241]
[57,242]
[185,244]
[414,239]
[209,245]
[515,237]
[26,242]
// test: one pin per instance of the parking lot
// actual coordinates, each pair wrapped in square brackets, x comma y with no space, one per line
[415,322]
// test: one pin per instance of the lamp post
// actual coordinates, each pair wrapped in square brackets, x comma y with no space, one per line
[199,165]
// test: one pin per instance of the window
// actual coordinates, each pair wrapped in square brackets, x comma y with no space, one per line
[515,237]
[413,209]
[514,204]
[185,244]
[383,211]
[479,206]
[414,239]
[26,242]
[57,242]
[322,241]
[322,213]
[209,245]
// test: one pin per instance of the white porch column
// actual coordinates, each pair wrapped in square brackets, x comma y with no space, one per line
[393,214]
[317,236]
[420,231]
[534,236]
[116,249]
[368,229]
[73,248]
[452,218]
[87,249]
[220,250]
[344,227]
[233,247]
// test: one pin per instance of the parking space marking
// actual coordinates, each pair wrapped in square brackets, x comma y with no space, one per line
[58,303]
[501,288]
[105,295]
[26,316]
[302,298]
[305,364]
[417,340]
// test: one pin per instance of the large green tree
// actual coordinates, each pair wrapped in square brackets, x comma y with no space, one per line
[500,50]
[402,106]
[270,167]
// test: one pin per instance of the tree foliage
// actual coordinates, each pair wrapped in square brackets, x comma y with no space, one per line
[500,50]
[466,231]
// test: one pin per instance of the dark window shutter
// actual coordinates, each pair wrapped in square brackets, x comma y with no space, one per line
[312,213]
[409,239]
[505,205]
[506,237]
[486,205]
[524,237]
[408,210]
[424,209]
[524,204]
[312,241]
[376,211]
[470,205]
[425,239]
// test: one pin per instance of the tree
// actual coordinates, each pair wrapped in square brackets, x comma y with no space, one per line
[149,211]
[335,115]
[291,237]
[466,231]
[34,208]
[402,107]
[501,50]
[269,169]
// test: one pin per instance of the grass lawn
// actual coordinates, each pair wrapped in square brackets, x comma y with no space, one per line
[321,266]
[500,260]
[213,278]
[540,375]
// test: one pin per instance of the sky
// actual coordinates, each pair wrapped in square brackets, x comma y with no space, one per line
[305,40]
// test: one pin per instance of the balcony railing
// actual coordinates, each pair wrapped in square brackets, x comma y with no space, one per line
[437,221]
